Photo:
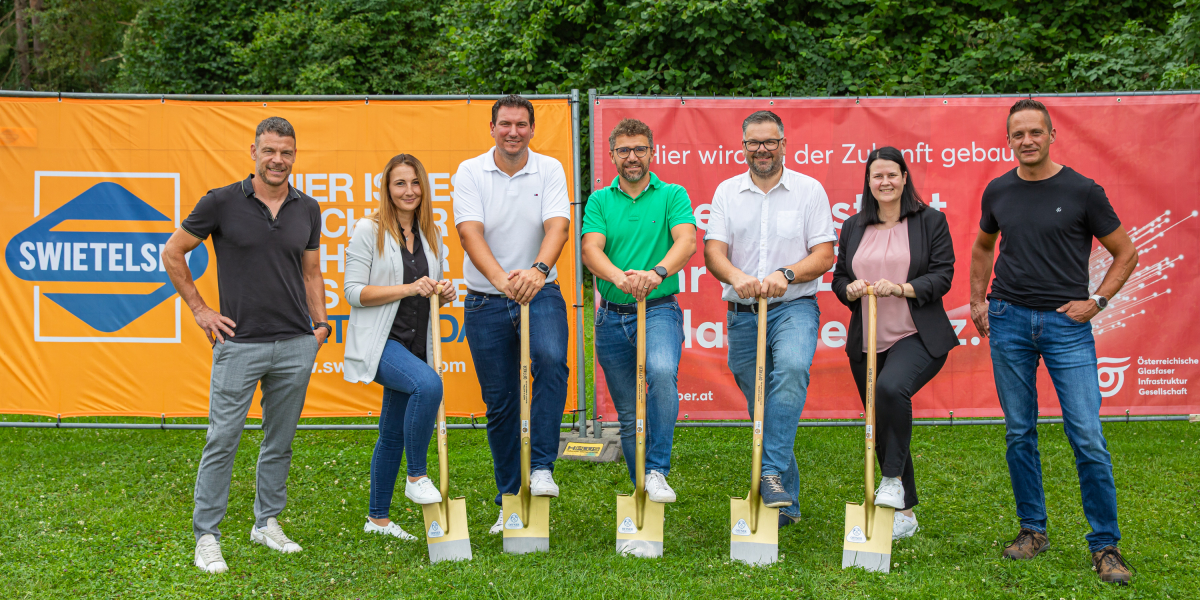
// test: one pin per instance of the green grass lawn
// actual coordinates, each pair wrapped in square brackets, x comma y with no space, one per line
[106,514]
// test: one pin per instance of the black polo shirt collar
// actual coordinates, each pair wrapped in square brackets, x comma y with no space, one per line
[248,189]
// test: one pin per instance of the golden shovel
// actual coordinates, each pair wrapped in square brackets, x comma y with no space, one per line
[445,521]
[868,541]
[526,517]
[639,519]
[754,528]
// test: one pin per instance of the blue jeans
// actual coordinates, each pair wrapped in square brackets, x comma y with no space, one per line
[412,392]
[1019,337]
[616,350]
[791,342]
[493,325]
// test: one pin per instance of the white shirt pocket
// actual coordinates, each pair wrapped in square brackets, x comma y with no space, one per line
[789,224]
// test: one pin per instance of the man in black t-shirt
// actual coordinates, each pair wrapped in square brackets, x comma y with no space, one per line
[265,234]
[1039,309]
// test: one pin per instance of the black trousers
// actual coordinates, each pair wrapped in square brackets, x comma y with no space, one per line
[902,370]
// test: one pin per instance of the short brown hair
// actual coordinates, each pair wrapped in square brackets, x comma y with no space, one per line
[1028,104]
[512,101]
[277,125]
[630,127]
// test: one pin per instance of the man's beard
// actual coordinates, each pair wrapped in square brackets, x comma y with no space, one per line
[625,173]
[776,165]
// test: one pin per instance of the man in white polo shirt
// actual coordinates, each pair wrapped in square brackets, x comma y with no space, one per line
[770,233]
[513,215]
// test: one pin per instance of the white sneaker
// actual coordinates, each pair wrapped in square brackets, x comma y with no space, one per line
[391,529]
[904,526]
[890,493]
[421,491]
[657,488]
[499,526]
[541,483]
[272,536]
[208,555]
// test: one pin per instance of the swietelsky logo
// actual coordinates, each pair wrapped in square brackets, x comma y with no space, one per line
[105,251]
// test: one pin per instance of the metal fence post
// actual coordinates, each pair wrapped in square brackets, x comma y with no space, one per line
[580,366]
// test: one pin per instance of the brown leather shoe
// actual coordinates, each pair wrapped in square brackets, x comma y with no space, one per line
[1111,567]
[1027,545]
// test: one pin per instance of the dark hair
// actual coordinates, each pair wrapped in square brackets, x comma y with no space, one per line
[1028,104]
[762,116]
[630,127]
[910,201]
[512,101]
[277,125]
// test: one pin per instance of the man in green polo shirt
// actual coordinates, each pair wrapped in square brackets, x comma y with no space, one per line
[637,234]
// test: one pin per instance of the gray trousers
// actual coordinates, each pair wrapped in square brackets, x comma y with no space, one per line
[284,368]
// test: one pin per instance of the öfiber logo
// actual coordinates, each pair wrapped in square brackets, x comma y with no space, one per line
[41,254]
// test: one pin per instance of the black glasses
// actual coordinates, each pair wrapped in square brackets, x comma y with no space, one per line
[770,145]
[639,151]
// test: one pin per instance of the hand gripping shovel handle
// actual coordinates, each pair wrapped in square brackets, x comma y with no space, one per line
[640,464]
[760,381]
[526,396]
[869,480]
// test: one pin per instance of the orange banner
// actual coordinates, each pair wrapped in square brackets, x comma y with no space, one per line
[92,189]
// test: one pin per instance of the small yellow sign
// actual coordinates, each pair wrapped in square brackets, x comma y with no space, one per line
[582,449]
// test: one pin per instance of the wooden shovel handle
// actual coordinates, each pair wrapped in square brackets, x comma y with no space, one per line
[869,480]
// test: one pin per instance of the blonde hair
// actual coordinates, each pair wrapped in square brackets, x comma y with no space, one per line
[387,216]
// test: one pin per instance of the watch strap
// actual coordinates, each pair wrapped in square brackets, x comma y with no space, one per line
[785,272]
[543,267]
[1101,301]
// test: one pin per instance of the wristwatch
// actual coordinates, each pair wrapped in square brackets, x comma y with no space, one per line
[1101,301]
[541,266]
[325,325]
[661,271]
[788,274]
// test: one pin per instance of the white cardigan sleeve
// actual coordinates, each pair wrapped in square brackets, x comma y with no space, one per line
[359,256]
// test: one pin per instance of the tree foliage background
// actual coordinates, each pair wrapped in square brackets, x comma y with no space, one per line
[670,47]
[691,47]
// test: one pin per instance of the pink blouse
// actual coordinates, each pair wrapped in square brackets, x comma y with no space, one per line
[883,254]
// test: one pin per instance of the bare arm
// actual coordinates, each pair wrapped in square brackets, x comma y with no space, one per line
[314,288]
[683,246]
[983,255]
[716,259]
[820,258]
[598,262]
[215,325]
[524,284]
[471,234]
[1125,259]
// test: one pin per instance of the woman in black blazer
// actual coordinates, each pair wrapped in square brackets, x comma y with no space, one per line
[897,244]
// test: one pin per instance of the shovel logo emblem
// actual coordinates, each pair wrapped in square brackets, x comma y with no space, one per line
[741,528]
[514,522]
[856,536]
[435,530]
[627,526]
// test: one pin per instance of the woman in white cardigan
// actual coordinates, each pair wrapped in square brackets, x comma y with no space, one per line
[393,266]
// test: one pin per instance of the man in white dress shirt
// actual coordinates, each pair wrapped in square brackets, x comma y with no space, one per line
[513,215]
[770,233]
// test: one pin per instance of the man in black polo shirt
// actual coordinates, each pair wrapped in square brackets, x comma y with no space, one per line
[1039,308]
[266,235]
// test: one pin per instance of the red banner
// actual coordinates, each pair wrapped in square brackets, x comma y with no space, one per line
[1139,148]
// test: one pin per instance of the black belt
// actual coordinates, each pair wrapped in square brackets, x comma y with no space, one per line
[631,309]
[753,308]
[472,292]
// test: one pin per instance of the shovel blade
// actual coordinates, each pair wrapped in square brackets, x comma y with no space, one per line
[866,547]
[646,542]
[446,530]
[528,534]
[755,548]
